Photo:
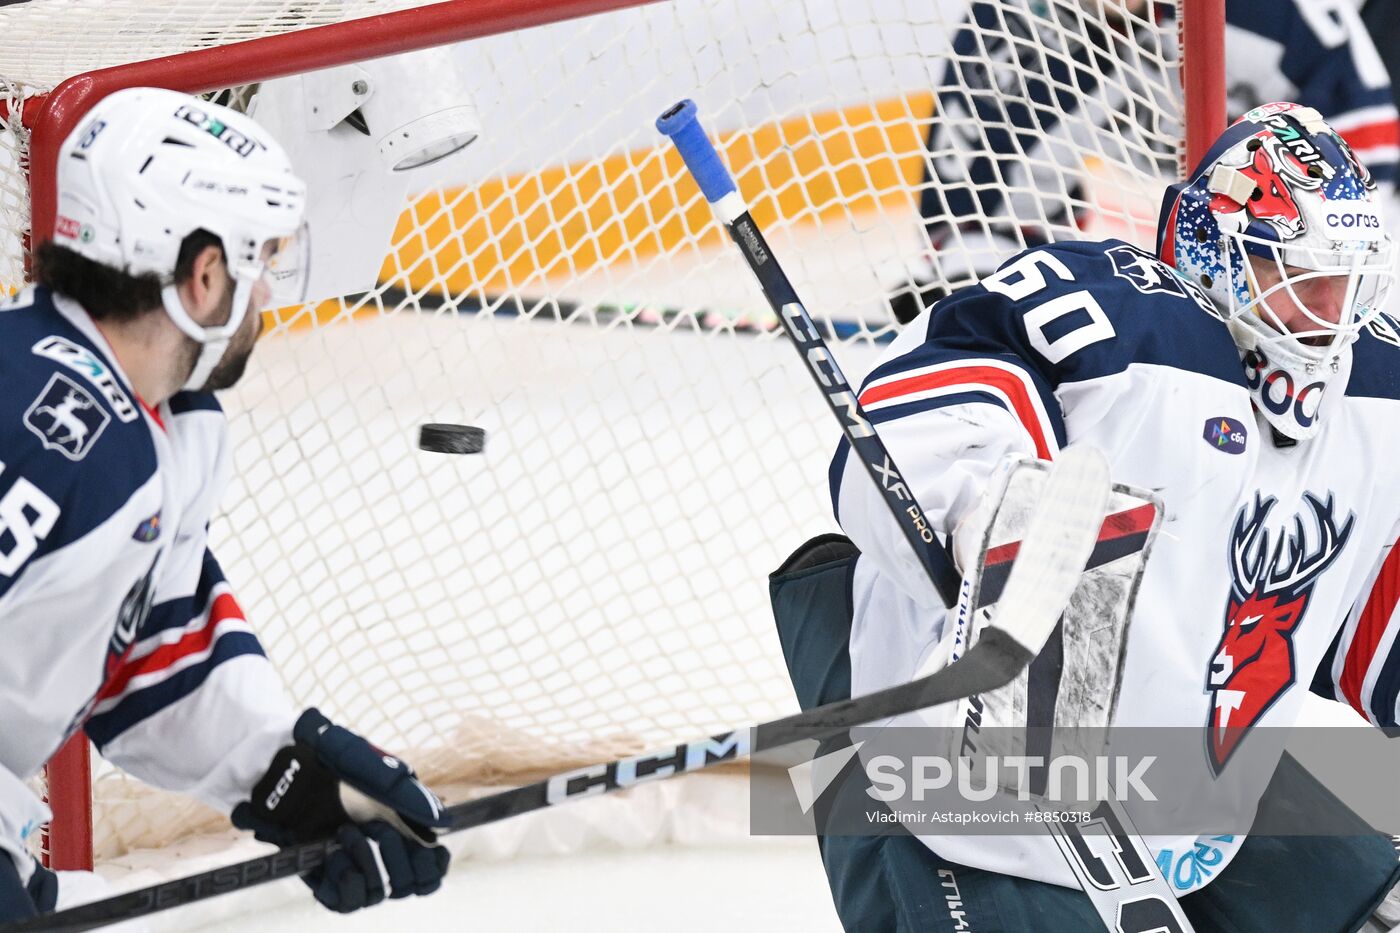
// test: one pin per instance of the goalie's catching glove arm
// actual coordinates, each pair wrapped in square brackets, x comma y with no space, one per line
[331,782]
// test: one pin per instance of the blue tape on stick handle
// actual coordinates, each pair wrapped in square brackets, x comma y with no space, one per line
[680,123]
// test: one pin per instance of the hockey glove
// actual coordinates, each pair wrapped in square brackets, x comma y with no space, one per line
[331,782]
[19,900]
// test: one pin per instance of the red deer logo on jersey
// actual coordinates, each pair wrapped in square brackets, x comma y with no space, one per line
[1275,172]
[1270,587]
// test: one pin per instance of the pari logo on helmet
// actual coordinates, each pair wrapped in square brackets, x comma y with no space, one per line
[1269,592]
[1277,225]
[1286,121]
[243,145]
[129,199]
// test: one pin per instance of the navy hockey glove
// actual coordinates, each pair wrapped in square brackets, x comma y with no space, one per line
[20,901]
[331,782]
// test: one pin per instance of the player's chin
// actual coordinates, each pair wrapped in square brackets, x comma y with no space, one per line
[228,372]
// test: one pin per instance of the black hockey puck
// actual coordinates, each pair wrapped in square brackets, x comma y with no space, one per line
[451,438]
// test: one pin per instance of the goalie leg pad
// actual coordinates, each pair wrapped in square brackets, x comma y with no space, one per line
[896,884]
[1314,883]
[1322,884]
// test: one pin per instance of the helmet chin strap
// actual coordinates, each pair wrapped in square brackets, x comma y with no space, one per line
[213,341]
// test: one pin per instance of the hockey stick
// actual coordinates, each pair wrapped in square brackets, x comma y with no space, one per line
[1057,546]
[1125,899]
[703,162]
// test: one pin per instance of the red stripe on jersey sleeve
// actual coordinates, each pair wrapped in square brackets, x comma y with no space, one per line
[1010,385]
[1371,135]
[224,607]
[1375,617]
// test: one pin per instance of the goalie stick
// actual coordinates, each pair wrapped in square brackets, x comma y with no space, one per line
[1058,544]
[703,162]
[1129,893]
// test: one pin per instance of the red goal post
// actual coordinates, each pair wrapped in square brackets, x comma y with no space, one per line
[48,117]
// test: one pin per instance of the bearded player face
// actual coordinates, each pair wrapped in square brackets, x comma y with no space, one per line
[231,366]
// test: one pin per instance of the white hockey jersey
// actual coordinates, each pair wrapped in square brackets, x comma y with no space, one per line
[1265,551]
[114,616]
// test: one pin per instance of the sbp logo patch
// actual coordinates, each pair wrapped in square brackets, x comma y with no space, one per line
[1226,434]
[66,418]
[147,531]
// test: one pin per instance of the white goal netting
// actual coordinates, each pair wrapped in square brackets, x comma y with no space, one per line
[595,582]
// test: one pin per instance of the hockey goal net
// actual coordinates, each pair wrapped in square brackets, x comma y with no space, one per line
[594,583]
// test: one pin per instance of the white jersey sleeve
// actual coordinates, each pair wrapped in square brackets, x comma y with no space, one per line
[954,396]
[194,705]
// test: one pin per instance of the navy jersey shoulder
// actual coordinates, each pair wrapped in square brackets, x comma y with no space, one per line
[1321,62]
[69,426]
[1083,310]
[1325,52]
[1375,361]
[1285,24]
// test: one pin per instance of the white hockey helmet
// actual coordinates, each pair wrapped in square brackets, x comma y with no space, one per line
[148,167]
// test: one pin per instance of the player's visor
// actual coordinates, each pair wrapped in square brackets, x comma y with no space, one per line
[286,266]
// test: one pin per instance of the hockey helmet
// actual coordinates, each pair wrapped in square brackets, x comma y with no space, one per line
[1279,225]
[148,166]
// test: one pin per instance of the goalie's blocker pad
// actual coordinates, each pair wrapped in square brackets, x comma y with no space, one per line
[1083,659]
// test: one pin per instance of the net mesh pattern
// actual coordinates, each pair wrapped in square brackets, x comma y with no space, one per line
[594,583]
[49,41]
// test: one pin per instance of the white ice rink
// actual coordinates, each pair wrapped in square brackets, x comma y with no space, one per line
[708,874]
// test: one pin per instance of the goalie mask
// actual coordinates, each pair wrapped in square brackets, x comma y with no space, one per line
[147,167]
[1279,225]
